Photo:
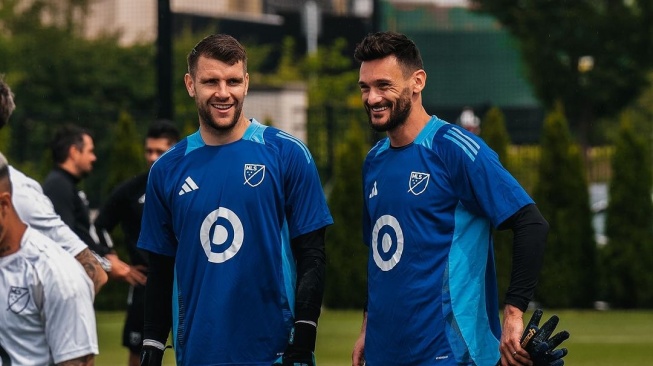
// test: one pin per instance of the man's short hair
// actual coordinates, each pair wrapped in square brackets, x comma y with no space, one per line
[163,128]
[221,47]
[7,104]
[65,137]
[379,45]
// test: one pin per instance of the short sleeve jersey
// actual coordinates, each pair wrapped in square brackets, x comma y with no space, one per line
[36,209]
[429,208]
[48,314]
[227,214]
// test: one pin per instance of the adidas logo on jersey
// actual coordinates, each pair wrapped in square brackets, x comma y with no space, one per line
[189,186]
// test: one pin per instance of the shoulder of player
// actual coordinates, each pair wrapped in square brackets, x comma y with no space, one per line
[46,255]
[451,139]
[285,144]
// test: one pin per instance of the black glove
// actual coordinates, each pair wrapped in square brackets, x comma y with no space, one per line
[300,346]
[152,354]
[539,346]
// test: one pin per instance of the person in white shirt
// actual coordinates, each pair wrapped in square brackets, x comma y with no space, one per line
[36,209]
[49,316]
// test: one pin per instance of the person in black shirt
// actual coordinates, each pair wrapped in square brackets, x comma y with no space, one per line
[125,207]
[73,153]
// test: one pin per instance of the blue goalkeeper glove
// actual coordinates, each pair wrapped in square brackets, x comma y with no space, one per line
[539,344]
[301,344]
[152,353]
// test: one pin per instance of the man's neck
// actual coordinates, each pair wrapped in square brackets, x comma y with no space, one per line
[69,167]
[213,137]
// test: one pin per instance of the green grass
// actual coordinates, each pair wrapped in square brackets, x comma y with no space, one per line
[611,338]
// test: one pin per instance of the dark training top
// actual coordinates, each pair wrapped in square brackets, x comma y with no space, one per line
[125,207]
[71,204]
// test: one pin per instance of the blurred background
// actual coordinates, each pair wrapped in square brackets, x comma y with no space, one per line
[559,89]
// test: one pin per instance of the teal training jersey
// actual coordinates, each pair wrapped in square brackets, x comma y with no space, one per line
[227,214]
[428,212]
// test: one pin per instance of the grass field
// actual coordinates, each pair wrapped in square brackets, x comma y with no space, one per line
[611,338]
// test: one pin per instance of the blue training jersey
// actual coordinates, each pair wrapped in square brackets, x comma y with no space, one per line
[428,212]
[227,214]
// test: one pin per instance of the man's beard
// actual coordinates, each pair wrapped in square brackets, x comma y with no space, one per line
[398,113]
[207,118]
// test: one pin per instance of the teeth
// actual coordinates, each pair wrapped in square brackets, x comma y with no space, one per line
[222,106]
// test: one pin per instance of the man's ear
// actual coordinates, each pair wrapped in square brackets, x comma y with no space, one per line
[5,202]
[190,88]
[419,81]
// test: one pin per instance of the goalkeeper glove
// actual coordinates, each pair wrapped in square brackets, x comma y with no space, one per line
[539,344]
[152,353]
[301,344]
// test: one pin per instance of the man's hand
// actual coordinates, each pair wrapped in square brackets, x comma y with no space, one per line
[513,326]
[296,359]
[133,275]
[540,345]
[300,346]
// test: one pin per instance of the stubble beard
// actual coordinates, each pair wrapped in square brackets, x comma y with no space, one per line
[207,119]
[398,113]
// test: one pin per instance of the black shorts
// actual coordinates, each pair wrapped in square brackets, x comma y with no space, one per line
[132,335]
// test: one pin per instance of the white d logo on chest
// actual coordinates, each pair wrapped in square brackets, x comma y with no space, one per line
[386,242]
[220,235]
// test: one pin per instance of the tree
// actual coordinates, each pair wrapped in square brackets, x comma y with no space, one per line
[60,77]
[593,55]
[346,252]
[628,255]
[568,277]
[494,133]
[125,151]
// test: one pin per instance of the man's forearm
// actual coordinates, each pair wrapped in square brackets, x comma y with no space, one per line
[93,269]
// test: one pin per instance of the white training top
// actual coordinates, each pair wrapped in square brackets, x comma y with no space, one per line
[36,209]
[47,314]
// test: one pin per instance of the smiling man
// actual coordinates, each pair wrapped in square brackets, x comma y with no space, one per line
[234,226]
[433,193]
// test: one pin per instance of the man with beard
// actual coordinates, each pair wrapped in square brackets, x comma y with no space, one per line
[433,192]
[234,226]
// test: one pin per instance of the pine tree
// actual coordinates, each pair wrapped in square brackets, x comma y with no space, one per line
[494,133]
[126,159]
[568,277]
[628,255]
[346,253]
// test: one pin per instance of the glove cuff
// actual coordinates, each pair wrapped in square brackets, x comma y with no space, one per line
[303,336]
[152,343]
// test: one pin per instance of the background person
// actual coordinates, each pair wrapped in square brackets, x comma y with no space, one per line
[48,317]
[235,218]
[432,194]
[35,208]
[73,154]
[125,207]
